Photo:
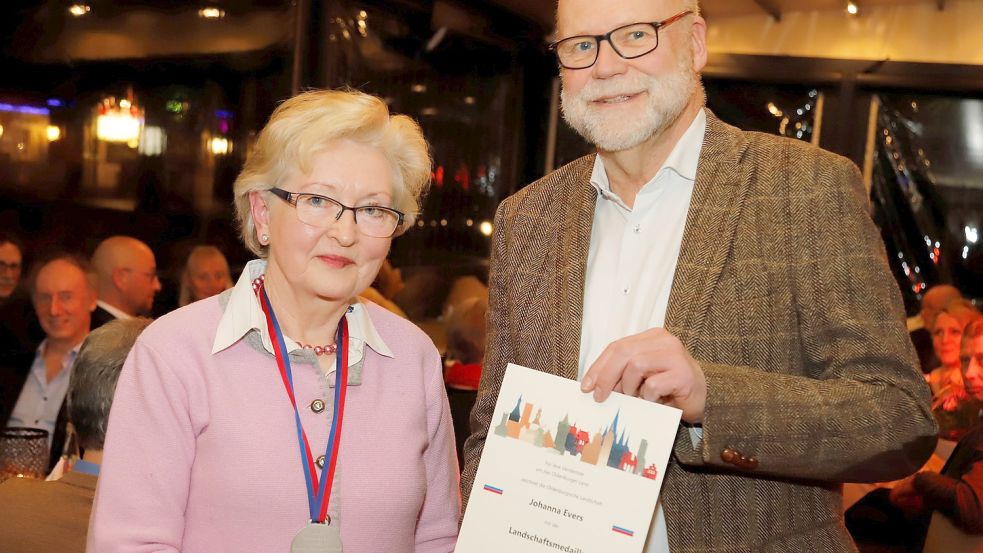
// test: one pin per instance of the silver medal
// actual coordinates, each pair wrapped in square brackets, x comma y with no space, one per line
[317,538]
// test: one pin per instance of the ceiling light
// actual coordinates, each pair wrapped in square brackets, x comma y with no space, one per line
[852,8]
[78,10]
[211,12]
[219,146]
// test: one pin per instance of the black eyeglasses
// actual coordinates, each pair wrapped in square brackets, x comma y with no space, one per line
[629,41]
[320,211]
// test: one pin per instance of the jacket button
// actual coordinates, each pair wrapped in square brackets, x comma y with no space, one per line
[317,406]
[752,463]
[320,462]
[728,455]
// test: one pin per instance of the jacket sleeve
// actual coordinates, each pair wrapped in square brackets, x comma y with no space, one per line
[859,410]
[150,446]
[436,529]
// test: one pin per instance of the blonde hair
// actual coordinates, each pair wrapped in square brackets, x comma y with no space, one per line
[197,253]
[310,121]
[960,309]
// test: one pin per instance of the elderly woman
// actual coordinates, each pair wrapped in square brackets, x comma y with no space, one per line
[206,273]
[285,414]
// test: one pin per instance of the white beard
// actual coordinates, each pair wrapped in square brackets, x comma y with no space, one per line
[614,129]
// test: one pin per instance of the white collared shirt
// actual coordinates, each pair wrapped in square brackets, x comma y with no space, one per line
[243,314]
[632,261]
[114,311]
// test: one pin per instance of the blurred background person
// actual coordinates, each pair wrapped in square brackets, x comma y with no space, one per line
[11,263]
[386,285]
[54,516]
[934,299]
[462,371]
[898,518]
[947,331]
[200,417]
[64,300]
[205,274]
[954,409]
[20,332]
[126,279]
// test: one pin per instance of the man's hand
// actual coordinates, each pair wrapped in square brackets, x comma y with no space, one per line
[652,365]
[904,496]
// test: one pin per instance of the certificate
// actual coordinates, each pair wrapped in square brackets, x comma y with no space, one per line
[563,473]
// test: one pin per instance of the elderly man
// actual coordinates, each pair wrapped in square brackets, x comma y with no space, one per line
[54,516]
[63,300]
[126,274]
[734,275]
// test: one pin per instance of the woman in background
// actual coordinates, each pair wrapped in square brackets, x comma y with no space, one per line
[206,274]
[954,409]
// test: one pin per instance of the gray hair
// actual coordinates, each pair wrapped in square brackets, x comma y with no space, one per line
[94,375]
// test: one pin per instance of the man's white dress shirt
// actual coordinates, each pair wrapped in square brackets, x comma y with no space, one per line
[632,260]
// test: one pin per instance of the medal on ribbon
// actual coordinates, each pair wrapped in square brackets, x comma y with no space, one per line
[319,535]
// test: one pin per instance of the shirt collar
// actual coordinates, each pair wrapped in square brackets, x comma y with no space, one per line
[66,362]
[683,159]
[243,314]
[114,311]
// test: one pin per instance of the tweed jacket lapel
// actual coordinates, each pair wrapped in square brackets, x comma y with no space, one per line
[570,266]
[718,198]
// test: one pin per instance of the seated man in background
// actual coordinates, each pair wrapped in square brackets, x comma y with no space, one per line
[54,516]
[126,274]
[63,300]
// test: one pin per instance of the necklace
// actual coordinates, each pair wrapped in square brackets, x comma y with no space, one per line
[326,349]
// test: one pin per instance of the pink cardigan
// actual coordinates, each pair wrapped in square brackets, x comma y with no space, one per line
[201,452]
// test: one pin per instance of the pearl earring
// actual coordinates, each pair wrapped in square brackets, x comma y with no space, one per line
[263,239]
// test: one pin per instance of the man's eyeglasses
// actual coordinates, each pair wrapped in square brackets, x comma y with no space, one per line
[629,41]
[152,275]
[320,211]
[12,267]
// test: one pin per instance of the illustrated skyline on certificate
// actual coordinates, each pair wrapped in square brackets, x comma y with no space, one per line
[562,472]
[608,446]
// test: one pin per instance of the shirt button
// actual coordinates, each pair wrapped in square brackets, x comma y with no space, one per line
[637,229]
[625,290]
[320,462]
[317,406]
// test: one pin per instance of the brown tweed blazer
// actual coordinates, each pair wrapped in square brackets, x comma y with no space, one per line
[783,294]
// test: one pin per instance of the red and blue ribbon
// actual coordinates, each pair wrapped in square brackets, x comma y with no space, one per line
[318,493]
